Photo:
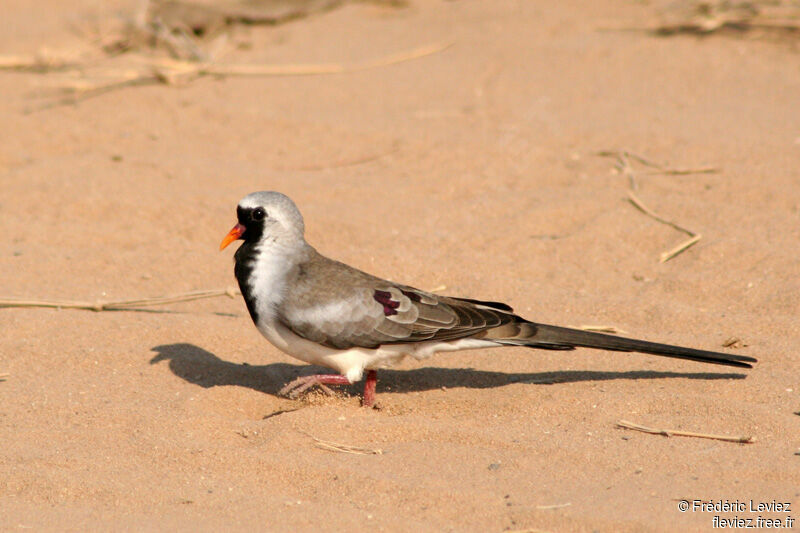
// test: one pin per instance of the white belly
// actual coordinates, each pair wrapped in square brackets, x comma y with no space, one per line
[352,362]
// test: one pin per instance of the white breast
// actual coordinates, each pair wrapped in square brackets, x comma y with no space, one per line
[268,281]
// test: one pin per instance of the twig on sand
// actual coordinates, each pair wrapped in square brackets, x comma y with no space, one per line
[600,329]
[554,506]
[342,448]
[194,36]
[638,204]
[177,72]
[761,18]
[685,171]
[669,254]
[623,164]
[30,62]
[678,433]
[119,305]
[4,375]
[693,239]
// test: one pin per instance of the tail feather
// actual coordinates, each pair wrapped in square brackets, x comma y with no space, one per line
[558,338]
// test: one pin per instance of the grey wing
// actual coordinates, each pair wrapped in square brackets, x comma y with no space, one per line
[383,313]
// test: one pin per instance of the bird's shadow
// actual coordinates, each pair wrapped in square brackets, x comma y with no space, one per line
[205,369]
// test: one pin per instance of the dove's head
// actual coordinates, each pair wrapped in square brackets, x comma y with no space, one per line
[267,217]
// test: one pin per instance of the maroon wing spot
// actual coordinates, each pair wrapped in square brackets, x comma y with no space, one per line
[385,299]
[413,296]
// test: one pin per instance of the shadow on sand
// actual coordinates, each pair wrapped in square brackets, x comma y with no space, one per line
[205,369]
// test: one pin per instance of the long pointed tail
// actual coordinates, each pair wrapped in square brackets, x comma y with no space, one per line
[558,338]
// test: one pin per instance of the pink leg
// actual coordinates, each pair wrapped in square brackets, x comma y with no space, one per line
[293,389]
[369,388]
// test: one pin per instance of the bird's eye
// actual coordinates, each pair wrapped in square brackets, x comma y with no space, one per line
[259,214]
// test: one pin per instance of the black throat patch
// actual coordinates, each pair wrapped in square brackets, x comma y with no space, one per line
[245,258]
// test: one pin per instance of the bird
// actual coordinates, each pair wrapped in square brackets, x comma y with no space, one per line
[330,314]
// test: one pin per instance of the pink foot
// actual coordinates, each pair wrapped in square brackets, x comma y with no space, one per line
[295,388]
[369,389]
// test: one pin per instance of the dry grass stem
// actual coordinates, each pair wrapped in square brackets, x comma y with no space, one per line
[11,62]
[41,62]
[701,17]
[685,171]
[118,305]
[623,165]
[342,448]
[685,245]
[647,211]
[759,18]
[554,506]
[678,433]
[601,329]
[174,42]
[175,72]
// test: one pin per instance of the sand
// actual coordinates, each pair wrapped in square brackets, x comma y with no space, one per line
[475,168]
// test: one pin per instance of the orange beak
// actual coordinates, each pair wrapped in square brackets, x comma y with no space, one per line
[234,234]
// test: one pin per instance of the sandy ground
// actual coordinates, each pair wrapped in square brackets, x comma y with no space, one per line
[474,168]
